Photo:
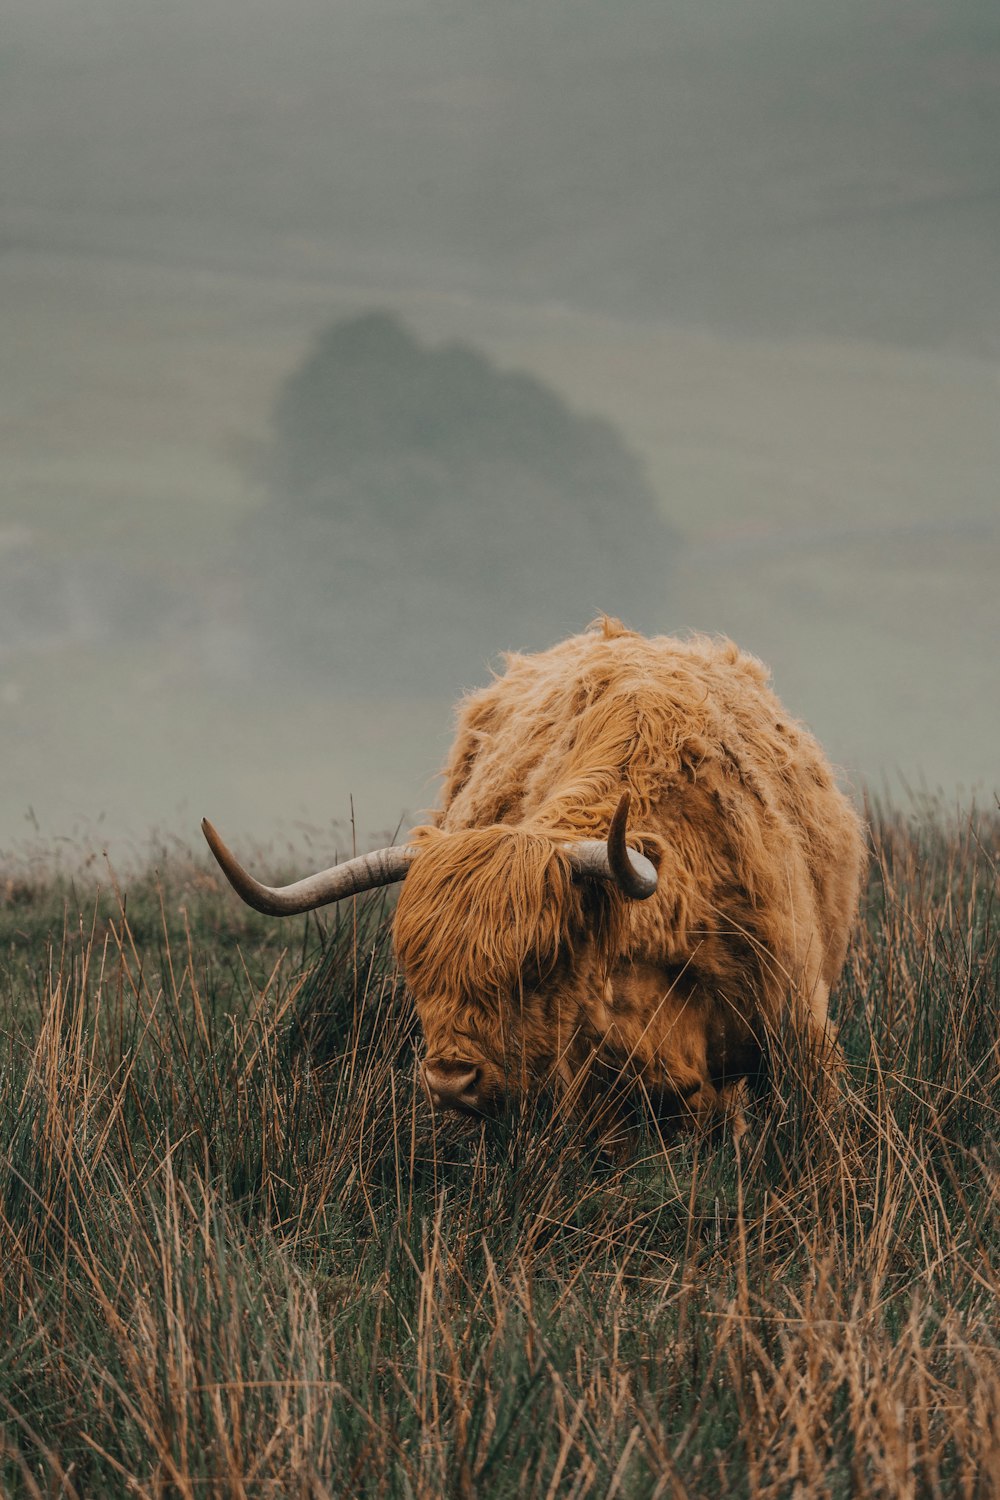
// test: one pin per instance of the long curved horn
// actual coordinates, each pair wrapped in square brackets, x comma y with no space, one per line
[613,860]
[383,867]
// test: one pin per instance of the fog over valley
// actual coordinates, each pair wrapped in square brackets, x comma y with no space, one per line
[346,348]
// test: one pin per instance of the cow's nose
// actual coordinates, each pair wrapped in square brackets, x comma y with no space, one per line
[452,1082]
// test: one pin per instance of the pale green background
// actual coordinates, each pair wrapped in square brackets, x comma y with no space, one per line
[763,238]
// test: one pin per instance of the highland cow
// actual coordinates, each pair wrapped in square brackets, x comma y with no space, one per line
[642,874]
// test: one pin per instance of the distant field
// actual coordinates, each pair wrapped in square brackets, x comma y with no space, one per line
[837,504]
[238,1259]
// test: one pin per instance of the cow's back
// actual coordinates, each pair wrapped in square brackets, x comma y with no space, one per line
[760,853]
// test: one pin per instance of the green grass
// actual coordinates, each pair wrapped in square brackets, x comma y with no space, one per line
[238,1258]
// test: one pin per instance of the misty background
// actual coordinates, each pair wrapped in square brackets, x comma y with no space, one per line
[345,347]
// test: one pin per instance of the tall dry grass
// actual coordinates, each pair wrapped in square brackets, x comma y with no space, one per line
[237,1258]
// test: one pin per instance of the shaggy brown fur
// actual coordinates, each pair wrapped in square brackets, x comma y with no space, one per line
[526,974]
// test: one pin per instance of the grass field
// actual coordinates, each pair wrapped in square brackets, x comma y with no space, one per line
[237,1258]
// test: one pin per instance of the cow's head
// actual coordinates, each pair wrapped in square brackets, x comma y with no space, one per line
[498,931]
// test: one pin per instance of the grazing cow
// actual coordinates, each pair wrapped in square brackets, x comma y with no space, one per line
[641,873]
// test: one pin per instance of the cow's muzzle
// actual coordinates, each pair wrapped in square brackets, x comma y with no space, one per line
[453,1083]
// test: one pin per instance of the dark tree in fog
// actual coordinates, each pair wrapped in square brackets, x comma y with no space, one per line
[429,510]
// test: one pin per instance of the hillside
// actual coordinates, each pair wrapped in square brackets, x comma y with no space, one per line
[836,505]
